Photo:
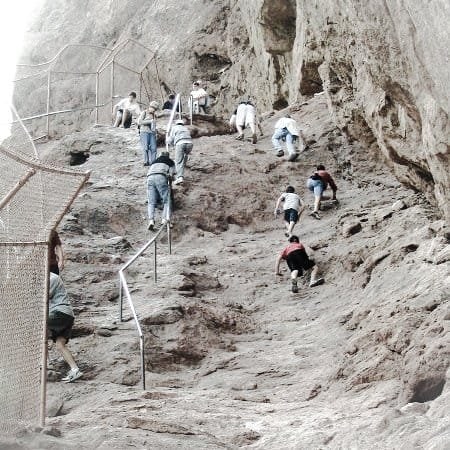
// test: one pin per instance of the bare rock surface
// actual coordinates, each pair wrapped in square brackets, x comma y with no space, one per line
[233,358]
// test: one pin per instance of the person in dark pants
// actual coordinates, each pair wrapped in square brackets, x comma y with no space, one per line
[297,260]
[59,324]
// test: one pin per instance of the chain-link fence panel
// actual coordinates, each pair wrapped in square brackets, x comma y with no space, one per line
[33,199]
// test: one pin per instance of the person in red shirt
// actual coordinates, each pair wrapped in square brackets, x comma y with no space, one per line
[318,183]
[297,260]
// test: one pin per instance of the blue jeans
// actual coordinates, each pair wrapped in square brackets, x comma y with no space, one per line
[181,156]
[158,189]
[315,186]
[148,144]
[291,140]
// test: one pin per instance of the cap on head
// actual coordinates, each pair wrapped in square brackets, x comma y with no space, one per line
[154,105]
[290,189]
[179,122]
[320,167]
[294,238]
[132,94]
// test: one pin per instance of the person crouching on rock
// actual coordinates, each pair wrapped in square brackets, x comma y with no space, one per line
[147,124]
[297,260]
[317,183]
[59,324]
[180,137]
[287,129]
[124,111]
[292,207]
[159,175]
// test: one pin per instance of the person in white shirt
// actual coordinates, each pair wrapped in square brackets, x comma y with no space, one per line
[246,117]
[293,208]
[124,111]
[199,99]
[288,129]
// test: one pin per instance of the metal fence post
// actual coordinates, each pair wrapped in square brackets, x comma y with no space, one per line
[143,361]
[155,264]
[97,77]
[120,300]
[112,86]
[48,101]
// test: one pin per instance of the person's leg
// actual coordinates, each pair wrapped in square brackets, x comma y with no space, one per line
[153,147]
[126,118]
[163,191]
[293,219]
[315,280]
[179,160]
[152,197]
[253,129]
[240,130]
[290,144]
[145,143]
[65,352]
[118,120]
[276,141]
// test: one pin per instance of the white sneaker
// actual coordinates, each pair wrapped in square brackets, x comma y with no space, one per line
[179,180]
[151,224]
[72,375]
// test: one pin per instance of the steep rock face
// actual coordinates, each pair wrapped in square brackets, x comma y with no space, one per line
[384,72]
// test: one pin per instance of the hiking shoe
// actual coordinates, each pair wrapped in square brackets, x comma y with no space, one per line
[151,225]
[179,180]
[254,139]
[280,153]
[294,286]
[287,234]
[317,282]
[240,137]
[293,157]
[315,214]
[72,375]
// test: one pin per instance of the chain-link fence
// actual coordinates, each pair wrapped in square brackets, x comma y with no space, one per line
[80,85]
[33,199]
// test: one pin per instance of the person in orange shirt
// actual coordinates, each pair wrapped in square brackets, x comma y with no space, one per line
[298,260]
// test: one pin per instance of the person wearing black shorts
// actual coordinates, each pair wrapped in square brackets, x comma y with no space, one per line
[292,208]
[298,261]
[59,324]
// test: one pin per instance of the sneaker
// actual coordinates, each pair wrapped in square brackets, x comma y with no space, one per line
[280,153]
[315,214]
[293,157]
[179,180]
[72,375]
[254,139]
[146,164]
[163,221]
[317,282]
[151,225]
[287,234]
[294,286]
[240,137]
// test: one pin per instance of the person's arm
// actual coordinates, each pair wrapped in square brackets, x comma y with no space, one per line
[332,185]
[143,120]
[278,204]
[171,138]
[59,256]
[277,265]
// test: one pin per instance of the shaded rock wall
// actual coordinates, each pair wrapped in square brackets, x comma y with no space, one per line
[384,65]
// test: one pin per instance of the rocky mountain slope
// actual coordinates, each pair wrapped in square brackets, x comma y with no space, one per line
[234,359]
[383,70]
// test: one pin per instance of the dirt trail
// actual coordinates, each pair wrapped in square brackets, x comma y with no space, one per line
[234,358]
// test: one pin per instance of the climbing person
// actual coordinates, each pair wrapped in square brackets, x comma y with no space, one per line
[232,121]
[293,208]
[180,138]
[59,324]
[246,117]
[158,179]
[147,131]
[287,129]
[199,99]
[298,260]
[168,104]
[55,253]
[124,111]
[318,183]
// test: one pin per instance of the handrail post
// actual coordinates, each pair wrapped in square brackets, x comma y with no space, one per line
[97,80]
[112,87]
[48,102]
[142,360]
[169,237]
[120,300]
[155,264]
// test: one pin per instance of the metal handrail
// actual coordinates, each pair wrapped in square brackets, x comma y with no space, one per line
[123,285]
[172,115]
